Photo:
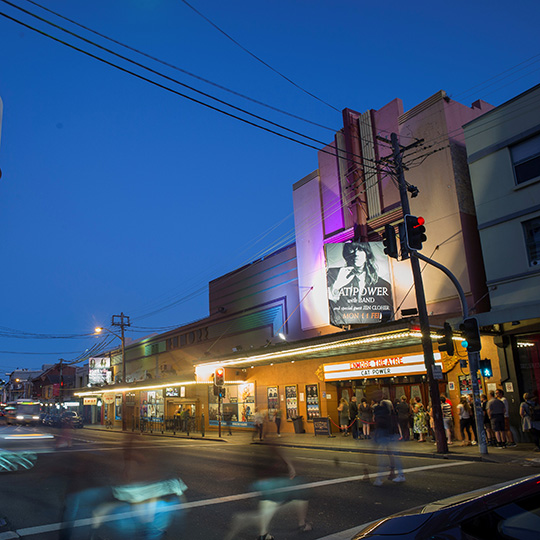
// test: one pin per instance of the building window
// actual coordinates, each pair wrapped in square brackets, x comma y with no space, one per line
[531,229]
[526,159]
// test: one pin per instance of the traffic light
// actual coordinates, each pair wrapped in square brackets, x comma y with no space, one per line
[471,332]
[446,343]
[61,381]
[485,368]
[390,241]
[219,376]
[415,232]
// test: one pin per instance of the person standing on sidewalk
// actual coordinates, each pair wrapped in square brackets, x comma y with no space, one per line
[420,420]
[343,409]
[495,408]
[490,435]
[509,437]
[448,419]
[353,417]
[465,421]
[529,411]
[366,418]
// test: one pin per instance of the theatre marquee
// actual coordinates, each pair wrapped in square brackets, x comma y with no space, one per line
[391,366]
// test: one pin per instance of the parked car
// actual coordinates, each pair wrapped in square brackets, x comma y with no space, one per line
[508,510]
[51,420]
[71,419]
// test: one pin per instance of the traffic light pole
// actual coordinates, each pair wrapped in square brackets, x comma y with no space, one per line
[474,357]
[429,360]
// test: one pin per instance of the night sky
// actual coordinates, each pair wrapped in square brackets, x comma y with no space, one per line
[119,195]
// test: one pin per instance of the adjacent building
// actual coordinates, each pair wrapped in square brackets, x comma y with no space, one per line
[503,148]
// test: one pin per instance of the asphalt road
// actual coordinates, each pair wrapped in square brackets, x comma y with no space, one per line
[219,477]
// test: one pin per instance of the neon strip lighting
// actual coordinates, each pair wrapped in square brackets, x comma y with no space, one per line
[153,387]
[315,348]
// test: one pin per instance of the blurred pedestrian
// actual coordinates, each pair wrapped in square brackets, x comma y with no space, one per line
[258,422]
[384,438]
[277,419]
[343,410]
[275,478]
[403,411]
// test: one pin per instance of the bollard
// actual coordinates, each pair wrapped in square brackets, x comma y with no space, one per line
[202,425]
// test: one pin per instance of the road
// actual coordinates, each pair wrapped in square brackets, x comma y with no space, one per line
[219,478]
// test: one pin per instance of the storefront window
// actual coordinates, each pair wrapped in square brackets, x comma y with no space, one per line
[152,407]
[528,354]
[237,405]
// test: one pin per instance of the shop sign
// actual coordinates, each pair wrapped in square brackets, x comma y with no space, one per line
[172,391]
[108,398]
[322,426]
[379,367]
[90,401]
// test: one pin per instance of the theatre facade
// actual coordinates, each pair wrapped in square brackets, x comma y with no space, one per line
[326,317]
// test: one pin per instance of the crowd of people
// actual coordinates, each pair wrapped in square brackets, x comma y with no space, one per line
[412,420]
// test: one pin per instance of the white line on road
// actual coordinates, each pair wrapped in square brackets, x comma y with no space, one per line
[41,529]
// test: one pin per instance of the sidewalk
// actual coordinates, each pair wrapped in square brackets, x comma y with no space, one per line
[523,452]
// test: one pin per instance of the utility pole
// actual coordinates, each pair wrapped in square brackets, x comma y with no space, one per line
[429,360]
[122,321]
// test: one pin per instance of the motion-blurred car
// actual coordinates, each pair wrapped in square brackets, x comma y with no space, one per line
[51,420]
[71,419]
[510,510]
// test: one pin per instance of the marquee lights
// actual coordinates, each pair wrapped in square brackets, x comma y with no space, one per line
[153,387]
[316,348]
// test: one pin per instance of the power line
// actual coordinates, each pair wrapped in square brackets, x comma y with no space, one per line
[159,85]
[172,66]
[257,58]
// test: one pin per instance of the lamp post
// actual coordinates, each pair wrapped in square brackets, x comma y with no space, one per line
[100,329]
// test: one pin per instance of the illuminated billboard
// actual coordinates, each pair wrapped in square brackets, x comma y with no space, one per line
[358,281]
[99,371]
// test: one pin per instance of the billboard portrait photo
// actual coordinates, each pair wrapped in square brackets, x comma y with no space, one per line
[358,280]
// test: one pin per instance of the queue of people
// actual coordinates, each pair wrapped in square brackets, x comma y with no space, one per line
[414,420]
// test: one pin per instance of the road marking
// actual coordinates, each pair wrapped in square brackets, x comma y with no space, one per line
[41,529]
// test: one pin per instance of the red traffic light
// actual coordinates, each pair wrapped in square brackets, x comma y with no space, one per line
[420,221]
[219,376]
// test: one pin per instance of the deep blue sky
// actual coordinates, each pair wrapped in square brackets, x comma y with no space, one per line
[117,195]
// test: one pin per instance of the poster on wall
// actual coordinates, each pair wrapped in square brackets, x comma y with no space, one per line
[312,401]
[118,407]
[273,398]
[465,384]
[358,282]
[291,401]
[237,405]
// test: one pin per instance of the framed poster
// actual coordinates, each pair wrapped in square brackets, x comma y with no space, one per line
[465,384]
[291,401]
[273,398]
[312,401]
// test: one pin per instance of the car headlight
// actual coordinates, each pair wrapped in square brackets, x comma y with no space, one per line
[35,417]
[19,417]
